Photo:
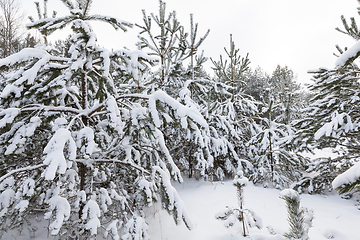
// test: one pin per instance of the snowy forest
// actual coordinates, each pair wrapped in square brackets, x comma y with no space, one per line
[91,139]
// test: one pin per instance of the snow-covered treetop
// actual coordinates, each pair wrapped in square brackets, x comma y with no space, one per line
[289,193]
[240,180]
[348,57]
[78,10]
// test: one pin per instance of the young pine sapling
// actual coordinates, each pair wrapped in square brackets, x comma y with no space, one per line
[300,219]
[245,216]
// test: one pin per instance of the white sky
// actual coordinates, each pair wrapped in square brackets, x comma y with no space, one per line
[298,33]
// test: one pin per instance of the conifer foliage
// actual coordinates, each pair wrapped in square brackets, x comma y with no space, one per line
[164,36]
[195,150]
[79,142]
[274,162]
[230,111]
[300,219]
[332,119]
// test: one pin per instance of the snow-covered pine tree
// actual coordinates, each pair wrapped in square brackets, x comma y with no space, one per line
[162,38]
[300,219]
[274,163]
[256,83]
[193,149]
[230,111]
[289,98]
[79,142]
[332,118]
[288,95]
[167,40]
[330,122]
[231,73]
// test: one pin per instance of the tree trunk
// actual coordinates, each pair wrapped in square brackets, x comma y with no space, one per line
[271,159]
[84,119]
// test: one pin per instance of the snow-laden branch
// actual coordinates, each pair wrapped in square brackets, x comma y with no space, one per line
[174,204]
[52,109]
[24,169]
[60,210]
[51,24]
[116,23]
[350,176]
[24,55]
[54,151]
[340,123]
[348,56]
[101,160]
[97,108]
[181,111]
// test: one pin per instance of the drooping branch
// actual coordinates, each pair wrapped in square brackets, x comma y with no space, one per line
[24,169]
[31,108]
[128,164]
[127,96]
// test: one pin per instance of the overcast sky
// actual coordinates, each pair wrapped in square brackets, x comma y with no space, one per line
[298,33]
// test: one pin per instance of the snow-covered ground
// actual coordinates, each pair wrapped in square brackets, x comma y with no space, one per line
[335,218]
